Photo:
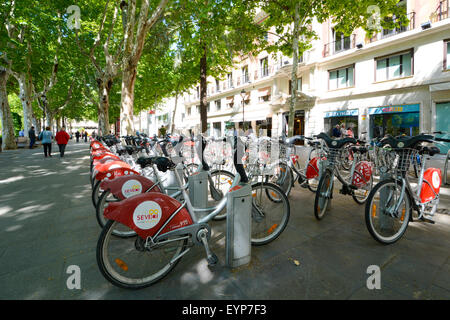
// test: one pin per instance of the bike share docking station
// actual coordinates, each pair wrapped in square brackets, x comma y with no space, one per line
[238,205]
[239,209]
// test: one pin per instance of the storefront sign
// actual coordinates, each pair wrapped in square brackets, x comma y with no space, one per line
[342,113]
[395,109]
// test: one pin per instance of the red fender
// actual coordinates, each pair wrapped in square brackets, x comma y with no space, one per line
[434,178]
[146,213]
[312,169]
[124,187]
[100,149]
[96,144]
[104,155]
[365,169]
[294,158]
[105,159]
[114,173]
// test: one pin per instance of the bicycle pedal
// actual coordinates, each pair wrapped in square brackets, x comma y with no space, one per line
[212,260]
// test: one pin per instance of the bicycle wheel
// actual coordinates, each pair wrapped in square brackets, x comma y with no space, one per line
[127,264]
[323,194]
[222,180]
[282,176]
[360,195]
[103,202]
[270,212]
[96,191]
[383,224]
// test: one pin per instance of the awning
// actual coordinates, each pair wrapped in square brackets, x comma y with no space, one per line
[264,92]
[342,113]
[395,109]
[230,99]
[251,116]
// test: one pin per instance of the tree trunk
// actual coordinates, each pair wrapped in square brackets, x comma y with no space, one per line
[127,101]
[8,138]
[172,129]
[203,90]
[294,72]
[25,92]
[104,88]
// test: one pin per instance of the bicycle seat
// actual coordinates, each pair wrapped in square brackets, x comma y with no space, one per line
[359,149]
[162,163]
[293,139]
[406,141]
[335,143]
[431,151]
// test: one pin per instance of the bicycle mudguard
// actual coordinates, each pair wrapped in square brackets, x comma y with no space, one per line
[126,186]
[362,174]
[104,155]
[431,186]
[96,145]
[312,169]
[103,160]
[146,213]
[114,172]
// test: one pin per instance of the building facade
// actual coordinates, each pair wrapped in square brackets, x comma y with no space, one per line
[396,82]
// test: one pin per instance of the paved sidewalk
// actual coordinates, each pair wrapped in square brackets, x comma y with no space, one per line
[47,223]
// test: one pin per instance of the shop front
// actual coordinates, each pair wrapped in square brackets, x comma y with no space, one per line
[348,118]
[395,120]
[299,124]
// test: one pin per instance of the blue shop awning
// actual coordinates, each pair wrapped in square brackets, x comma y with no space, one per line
[342,113]
[395,109]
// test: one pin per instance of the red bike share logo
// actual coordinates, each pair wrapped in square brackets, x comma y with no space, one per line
[147,215]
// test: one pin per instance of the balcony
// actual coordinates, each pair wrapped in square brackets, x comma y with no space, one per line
[386,33]
[442,11]
[340,45]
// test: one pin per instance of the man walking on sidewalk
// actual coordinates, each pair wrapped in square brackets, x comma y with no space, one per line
[62,138]
[32,136]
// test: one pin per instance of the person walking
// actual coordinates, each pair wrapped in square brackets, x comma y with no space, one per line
[32,136]
[350,132]
[77,135]
[46,137]
[62,138]
[85,136]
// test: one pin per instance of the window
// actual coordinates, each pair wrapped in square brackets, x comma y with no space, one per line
[198,109]
[264,64]
[394,66]
[189,111]
[341,78]
[208,107]
[447,54]
[230,80]
[217,85]
[218,104]
[245,77]
[341,42]
[198,93]
[299,85]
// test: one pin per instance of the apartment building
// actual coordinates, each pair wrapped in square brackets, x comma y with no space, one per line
[395,82]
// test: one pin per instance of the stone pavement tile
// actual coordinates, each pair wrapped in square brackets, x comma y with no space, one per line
[385,293]
[37,282]
[442,278]
[281,278]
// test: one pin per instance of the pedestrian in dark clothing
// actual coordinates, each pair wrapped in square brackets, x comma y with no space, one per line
[32,136]
[336,131]
[77,135]
[62,138]
[46,137]
[85,136]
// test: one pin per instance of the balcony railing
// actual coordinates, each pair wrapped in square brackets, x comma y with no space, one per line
[442,11]
[340,45]
[386,33]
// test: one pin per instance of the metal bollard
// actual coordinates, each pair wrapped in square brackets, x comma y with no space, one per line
[238,241]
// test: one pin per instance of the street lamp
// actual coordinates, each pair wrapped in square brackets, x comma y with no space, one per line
[243,105]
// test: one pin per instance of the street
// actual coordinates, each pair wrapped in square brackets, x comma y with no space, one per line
[47,223]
